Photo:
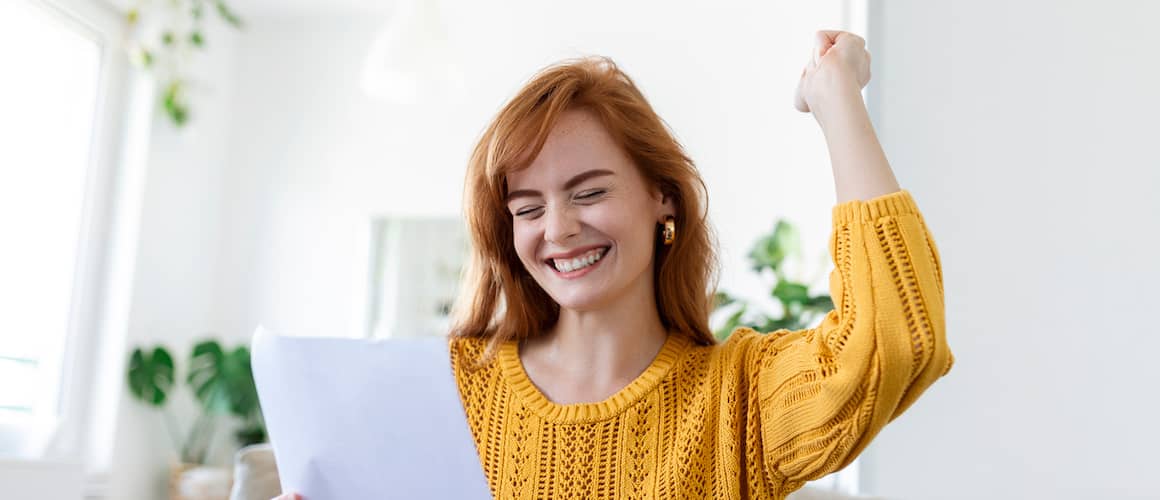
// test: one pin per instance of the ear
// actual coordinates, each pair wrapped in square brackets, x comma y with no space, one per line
[664,205]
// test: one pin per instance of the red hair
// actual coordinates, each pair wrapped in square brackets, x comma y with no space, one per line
[500,300]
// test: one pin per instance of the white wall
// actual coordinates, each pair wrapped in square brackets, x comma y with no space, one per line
[313,158]
[1027,132]
[1021,129]
[174,283]
[254,212]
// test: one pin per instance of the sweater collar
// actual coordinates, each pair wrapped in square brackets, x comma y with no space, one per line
[517,378]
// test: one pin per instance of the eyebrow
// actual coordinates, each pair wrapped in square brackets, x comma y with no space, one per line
[573,182]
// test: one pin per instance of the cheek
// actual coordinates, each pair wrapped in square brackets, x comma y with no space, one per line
[630,232]
[525,242]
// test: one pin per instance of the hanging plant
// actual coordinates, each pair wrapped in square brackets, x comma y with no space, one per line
[164,35]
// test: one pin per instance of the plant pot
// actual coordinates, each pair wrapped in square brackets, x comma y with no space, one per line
[199,482]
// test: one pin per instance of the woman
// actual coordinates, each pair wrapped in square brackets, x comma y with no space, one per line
[582,348]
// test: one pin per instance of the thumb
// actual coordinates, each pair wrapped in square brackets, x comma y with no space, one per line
[823,40]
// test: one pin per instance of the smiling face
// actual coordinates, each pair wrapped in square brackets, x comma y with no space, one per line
[583,219]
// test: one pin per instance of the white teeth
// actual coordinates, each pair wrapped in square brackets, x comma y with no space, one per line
[581,262]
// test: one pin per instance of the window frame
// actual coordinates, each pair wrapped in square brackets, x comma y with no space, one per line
[90,366]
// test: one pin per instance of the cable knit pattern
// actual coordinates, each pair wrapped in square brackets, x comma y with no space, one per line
[754,417]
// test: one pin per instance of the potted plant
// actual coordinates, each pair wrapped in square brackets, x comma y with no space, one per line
[799,309]
[222,383]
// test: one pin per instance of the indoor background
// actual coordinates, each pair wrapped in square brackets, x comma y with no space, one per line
[303,175]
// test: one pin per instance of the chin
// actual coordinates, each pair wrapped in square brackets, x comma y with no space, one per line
[581,302]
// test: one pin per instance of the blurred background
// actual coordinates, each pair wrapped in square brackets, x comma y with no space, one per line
[174,173]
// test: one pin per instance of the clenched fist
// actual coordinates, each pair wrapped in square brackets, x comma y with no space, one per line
[838,61]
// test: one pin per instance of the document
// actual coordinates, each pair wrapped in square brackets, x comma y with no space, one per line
[359,419]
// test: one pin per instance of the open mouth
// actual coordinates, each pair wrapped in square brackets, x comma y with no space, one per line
[579,265]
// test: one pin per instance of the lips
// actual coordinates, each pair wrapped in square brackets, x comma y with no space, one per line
[575,253]
[579,271]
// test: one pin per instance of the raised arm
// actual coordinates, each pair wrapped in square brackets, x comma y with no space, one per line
[830,88]
[822,394]
[825,392]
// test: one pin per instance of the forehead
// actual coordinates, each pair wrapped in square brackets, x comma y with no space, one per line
[577,142]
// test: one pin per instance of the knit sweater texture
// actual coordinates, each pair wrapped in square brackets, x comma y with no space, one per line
[755,416]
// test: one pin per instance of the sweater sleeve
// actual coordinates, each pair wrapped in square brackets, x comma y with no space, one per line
[825,392]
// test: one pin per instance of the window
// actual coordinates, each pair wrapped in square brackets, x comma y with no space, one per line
[51,94]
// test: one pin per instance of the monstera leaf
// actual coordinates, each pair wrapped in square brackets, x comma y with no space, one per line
[151,375]
[222,380]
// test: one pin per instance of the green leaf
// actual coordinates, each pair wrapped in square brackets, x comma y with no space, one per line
[205,376]
[167,38]
[820,303]
[228,15]
[243,391]
[789,292]
[175,107]
[132,16]
[771,250]
[196,39]
[786,238]
[151,375]
[144,57]
[223,381]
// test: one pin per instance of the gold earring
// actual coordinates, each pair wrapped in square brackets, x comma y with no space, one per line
[670,230]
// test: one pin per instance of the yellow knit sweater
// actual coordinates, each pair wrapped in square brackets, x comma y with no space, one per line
[753,417]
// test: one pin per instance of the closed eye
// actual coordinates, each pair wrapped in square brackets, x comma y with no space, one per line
[583,196]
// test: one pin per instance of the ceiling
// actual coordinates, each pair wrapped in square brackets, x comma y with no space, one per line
[273,7]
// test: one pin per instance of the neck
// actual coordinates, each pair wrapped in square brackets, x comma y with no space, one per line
[604,349]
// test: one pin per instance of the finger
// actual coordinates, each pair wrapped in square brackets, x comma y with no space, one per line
[799,101]
[828,36]
[846,38]
[823,40]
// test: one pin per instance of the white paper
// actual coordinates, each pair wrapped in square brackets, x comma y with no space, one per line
[356,419]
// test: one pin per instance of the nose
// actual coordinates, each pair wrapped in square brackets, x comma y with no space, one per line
[561,224]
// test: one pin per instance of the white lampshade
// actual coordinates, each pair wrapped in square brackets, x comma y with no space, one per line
[410,60]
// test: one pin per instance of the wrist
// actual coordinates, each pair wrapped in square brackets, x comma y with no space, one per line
[839,101]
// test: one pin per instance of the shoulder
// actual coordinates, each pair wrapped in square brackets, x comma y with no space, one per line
[724,357]
[743,351]
[465,346]
[468,352]
[740,344]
